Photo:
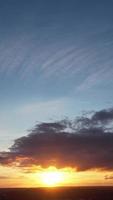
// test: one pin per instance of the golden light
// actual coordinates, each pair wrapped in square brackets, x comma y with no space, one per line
[52,177]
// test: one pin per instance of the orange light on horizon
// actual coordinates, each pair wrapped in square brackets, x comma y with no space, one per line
[52,177]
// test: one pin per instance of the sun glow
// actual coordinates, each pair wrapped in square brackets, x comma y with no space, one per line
[52,177]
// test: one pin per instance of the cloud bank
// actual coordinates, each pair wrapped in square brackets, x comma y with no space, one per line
[84,143]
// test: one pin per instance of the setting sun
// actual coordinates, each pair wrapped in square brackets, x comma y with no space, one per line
[51,177]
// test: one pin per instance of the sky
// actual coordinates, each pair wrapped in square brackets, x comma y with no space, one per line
[55,62]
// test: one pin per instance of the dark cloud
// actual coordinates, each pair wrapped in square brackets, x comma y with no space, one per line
[85,143]
[103,116]
[108,177]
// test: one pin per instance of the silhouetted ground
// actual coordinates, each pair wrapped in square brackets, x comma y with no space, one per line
[60,193]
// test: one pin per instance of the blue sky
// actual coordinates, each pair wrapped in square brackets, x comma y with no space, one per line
[56,60]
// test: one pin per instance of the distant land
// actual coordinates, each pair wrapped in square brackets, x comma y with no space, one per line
[58,193]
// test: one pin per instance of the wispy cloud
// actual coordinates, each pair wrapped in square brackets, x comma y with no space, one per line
[108,177]
[5,177]
[48,108]
[102,74]
[59,54]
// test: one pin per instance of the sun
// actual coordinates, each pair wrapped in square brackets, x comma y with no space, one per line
[52,177]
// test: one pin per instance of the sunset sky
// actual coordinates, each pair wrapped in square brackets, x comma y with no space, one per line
[56,91]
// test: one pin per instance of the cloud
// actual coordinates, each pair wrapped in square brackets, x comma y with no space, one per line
[65,51]
[96,77]
[4,177]
[10,177]
[104,116]
[84,143]
[45,107]
[108,177]
[43,110]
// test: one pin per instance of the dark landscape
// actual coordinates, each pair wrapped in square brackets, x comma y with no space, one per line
[58,193]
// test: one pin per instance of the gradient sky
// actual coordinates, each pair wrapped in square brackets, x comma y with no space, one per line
[56,60]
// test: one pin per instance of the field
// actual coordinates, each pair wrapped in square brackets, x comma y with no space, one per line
[60,193]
